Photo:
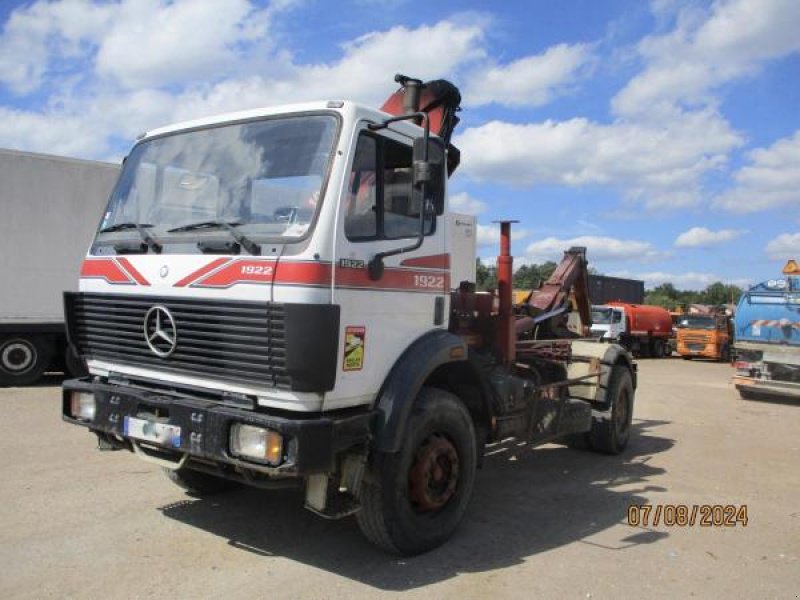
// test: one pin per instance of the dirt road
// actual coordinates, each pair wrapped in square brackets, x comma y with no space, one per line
[550,522]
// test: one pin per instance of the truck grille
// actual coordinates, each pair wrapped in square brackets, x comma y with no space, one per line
[241,342]
[700,338]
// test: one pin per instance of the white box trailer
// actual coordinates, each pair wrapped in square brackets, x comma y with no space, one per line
[49,209]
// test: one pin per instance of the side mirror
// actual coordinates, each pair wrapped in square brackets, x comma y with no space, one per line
[429,164]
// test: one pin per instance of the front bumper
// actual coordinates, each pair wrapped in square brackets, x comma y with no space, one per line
[311,443]
[767,386]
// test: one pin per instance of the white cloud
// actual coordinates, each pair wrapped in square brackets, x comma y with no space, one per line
[466,204]
[598,248]
[702,237]
[152,43]
[659,165]
[100,103]
[529,81]
[706,50]
[489,235]
[771,180]
[784,247]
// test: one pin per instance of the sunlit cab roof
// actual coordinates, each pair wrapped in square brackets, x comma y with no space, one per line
[349,110]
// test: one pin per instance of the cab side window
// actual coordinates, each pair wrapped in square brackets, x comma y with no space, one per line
[381,202]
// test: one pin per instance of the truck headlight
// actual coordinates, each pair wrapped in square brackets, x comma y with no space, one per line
[256,443]
[82,406]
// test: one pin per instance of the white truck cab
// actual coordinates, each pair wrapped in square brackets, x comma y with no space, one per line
[317,215]
[608,322]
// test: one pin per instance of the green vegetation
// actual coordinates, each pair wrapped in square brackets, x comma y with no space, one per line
[670,298]
[527,277]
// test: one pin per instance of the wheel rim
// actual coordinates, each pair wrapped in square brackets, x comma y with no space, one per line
[17,357]
[621,414]
[433,476]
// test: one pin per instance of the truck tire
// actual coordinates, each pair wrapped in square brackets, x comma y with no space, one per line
[746,394]
[199,484]
[413,500]
[658,349]
[611,432]
[725,354]
[23,358]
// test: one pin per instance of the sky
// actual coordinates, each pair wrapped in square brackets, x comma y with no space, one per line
[663,136]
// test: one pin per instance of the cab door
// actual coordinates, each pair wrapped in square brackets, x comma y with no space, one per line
[382,315]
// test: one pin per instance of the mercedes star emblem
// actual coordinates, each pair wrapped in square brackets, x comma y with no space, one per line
[160,331]
[164,271]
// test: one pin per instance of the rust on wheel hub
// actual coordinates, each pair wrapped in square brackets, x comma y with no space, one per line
[433,475]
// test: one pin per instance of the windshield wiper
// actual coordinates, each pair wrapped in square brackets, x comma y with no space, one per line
[240,238]
[140,227]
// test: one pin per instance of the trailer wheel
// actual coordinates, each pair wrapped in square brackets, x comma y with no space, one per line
[413,500]
[199,484]
[611,432]
[658,349]
[23,359]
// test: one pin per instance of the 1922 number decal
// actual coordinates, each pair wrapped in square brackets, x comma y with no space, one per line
[256,270]
[429,281]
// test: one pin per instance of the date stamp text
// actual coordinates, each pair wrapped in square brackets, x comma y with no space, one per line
[687,515]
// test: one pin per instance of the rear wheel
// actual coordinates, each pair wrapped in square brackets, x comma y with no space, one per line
[610,433]
[23,359]
[658,349]
[413,500]
[199,484]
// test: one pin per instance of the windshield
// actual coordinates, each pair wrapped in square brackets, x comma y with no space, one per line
[696,322]
[601,316]
[264,176]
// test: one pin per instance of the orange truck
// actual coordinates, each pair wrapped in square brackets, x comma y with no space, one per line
[705,336]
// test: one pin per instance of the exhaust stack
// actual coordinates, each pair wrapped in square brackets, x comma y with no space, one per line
[506,342]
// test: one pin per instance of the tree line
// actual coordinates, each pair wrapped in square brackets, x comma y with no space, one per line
[669,297]
[528,277]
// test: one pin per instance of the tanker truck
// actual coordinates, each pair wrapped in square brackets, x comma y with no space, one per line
[273,299]
[767,338]
[644,330]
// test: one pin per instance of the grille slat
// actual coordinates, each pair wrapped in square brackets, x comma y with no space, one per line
[242,342]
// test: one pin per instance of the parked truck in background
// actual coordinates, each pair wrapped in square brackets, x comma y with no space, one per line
[767,338]
[49,208]
[270,300]
[644,330]
[705,336]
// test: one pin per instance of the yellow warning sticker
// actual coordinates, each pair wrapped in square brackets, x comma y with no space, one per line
[354,339]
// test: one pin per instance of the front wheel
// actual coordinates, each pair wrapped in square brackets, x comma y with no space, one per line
[725,354]
[413,500]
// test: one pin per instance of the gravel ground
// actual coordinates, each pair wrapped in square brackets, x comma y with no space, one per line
[549,522]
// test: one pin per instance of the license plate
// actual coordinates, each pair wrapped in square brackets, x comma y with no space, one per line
[160,433]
